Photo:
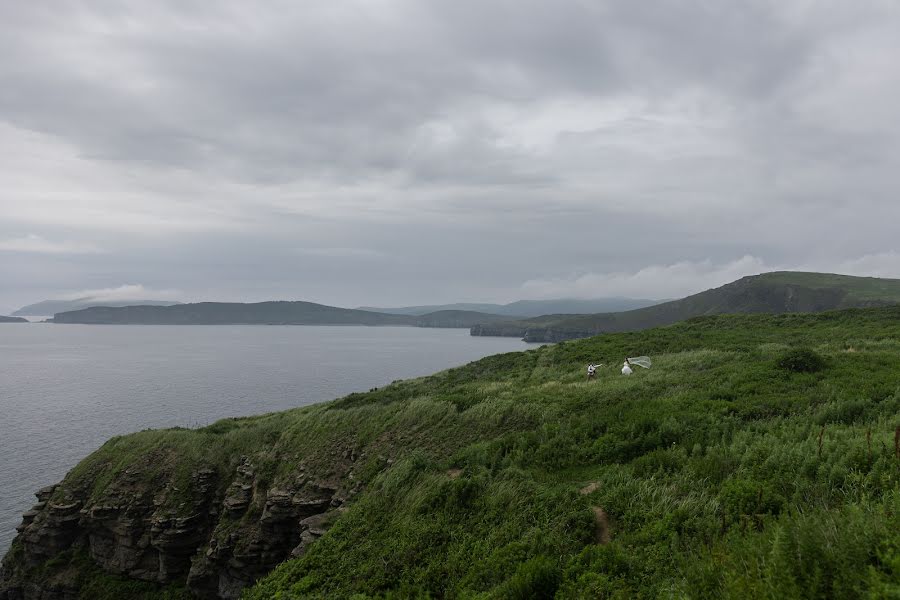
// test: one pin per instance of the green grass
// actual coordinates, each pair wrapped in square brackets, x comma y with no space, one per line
[73,575]
[723,472]
[863,288]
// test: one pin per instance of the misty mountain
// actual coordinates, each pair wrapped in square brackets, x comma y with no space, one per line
[51,307]
[777,292]
[528,308]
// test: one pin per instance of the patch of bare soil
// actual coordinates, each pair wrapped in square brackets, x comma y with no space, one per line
[601,526]
[589,488]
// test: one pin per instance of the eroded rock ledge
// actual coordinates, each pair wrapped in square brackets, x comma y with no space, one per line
[216,536]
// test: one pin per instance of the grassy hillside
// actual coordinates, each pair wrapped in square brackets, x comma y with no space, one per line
[779,292]
[756,459]
[859,289]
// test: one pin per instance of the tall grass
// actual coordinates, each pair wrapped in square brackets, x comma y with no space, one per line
[720,472]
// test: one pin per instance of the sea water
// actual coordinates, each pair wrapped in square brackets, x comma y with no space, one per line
[65,389]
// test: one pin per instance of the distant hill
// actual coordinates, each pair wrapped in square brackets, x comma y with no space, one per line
[457,319]
[527,308]
[778,292]
[51,307]
[264,313]
[227,313]
[12,320]
[432,308]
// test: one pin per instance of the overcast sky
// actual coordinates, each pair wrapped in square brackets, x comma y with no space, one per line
[401,152]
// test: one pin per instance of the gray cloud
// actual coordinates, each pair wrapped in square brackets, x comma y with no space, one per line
[407,151]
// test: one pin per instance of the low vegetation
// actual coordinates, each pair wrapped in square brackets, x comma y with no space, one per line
[758,458]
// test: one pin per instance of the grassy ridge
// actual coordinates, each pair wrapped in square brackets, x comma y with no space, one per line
[717,474]
[857,288]
[774,293]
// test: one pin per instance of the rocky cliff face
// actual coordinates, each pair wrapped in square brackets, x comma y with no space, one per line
[216,536]
[498,330]
[550,335]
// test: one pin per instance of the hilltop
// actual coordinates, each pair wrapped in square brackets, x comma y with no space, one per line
[264,313]
[756,459]
[778,292]
[528,308]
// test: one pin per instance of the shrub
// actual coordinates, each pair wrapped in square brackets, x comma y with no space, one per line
[801,360]
[535,579]
[745,497]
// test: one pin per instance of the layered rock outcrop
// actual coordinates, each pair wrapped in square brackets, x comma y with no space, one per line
[215,534]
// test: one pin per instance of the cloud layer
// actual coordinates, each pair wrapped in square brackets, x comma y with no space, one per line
[404,151]
[122,293]
[685,278]
[32,243]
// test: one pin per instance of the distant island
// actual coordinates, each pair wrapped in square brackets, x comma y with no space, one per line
[51,307]
[12,320]
[776,292]
[528,308]
[266,313]
[773,293]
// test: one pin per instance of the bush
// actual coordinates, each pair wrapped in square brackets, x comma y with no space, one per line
[535,579]
[744,497]
[801,360]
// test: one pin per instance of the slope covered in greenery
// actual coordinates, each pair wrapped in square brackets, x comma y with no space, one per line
[774,293]
[756,459]
[718,473]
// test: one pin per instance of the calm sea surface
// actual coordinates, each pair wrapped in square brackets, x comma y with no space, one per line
[65,389]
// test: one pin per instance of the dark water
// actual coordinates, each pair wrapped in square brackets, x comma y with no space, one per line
[65,389]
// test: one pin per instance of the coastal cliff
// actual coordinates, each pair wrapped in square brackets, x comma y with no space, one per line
[755,444]
[209,534]
[531,334]
[12,319]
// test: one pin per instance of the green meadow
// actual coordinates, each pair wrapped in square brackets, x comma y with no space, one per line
[758,458]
